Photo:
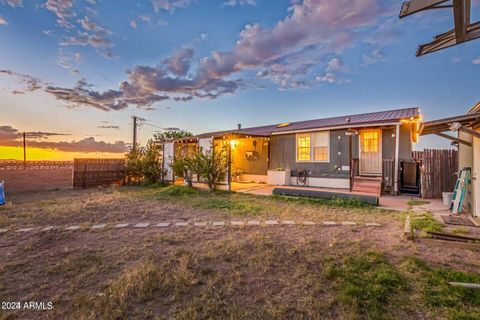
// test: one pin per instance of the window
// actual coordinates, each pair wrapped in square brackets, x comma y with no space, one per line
[370,141]
[303,147]
[320,146]
[313,146]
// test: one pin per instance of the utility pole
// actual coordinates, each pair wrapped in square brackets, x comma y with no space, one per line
[24,151]
[134,132]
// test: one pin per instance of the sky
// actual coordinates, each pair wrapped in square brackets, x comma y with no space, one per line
[74,72]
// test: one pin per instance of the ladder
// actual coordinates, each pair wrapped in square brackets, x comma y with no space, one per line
[456,207]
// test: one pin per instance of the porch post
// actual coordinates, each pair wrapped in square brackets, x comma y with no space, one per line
[229,164]
[397,152]
[350,152]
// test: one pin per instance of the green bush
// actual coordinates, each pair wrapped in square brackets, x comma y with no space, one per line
[143,164]
[185,168]
[212,167]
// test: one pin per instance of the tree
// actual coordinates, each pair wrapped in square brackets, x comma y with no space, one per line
[133,165]
[171,134]
[212,167]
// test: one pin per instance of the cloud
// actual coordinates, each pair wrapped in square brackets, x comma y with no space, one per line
[233,3]
[108,127]
[3,21]
[29,83]
[476,61]
[13,3]
[170,5]
[62,9]
[335,64]
[329,77]
[10,136]
[374,57]
[133,24]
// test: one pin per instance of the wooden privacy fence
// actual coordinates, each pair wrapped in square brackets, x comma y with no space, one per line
[98,172]
[439,171]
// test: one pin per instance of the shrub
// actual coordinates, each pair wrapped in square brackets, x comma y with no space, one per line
[212,167]
[185,168]
[144,164]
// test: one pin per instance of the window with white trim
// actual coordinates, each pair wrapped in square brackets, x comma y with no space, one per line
[313,147]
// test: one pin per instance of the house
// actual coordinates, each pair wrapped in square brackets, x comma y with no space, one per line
[468,140]
[359,152]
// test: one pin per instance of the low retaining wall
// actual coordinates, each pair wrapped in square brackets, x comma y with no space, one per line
[34,179]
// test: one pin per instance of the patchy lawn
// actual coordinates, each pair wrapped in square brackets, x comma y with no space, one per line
[255,272]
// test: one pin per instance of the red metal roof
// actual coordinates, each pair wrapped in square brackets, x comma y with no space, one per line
[335,122]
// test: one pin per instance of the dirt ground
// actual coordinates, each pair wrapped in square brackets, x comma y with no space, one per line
[248,272]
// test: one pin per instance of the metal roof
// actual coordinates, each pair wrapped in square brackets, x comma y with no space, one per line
[346,121]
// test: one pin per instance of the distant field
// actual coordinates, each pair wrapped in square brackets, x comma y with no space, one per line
[254,272]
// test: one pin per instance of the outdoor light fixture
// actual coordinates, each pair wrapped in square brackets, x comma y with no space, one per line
[455,126]
[233,143]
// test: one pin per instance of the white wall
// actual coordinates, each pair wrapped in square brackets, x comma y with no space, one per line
[168,154]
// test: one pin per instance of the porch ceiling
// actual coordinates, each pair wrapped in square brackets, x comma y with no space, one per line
[442,125]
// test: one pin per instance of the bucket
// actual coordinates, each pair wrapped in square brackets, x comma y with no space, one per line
[447,198]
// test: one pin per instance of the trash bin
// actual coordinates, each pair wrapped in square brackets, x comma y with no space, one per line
[447,198]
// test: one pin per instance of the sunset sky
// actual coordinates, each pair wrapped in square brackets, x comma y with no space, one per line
[73,72]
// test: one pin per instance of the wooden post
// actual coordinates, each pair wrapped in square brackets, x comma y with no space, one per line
[24,151]
[397,152]
[350,155]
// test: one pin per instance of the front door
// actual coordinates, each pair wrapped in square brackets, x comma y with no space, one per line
[370,152]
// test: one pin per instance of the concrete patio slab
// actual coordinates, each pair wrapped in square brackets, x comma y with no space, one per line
[218,223]
[288,222]
[121,225]
[73,228]
[3,230]
[349,223]
[49,228]
[200,224]
[253,222]
[308,223]
[24,230]
[181,224]
[373,224]
[237,223]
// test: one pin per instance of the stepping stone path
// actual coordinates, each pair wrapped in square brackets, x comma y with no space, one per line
[98,226]
[163,224]
[181,224]
[373,224]
[142,225]
[203,224]
[329,223]
[271,222]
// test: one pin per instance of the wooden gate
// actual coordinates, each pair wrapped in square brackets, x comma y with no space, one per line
[439,171]
[98,172]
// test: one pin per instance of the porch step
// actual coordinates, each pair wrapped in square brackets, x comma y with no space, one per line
[368,185]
